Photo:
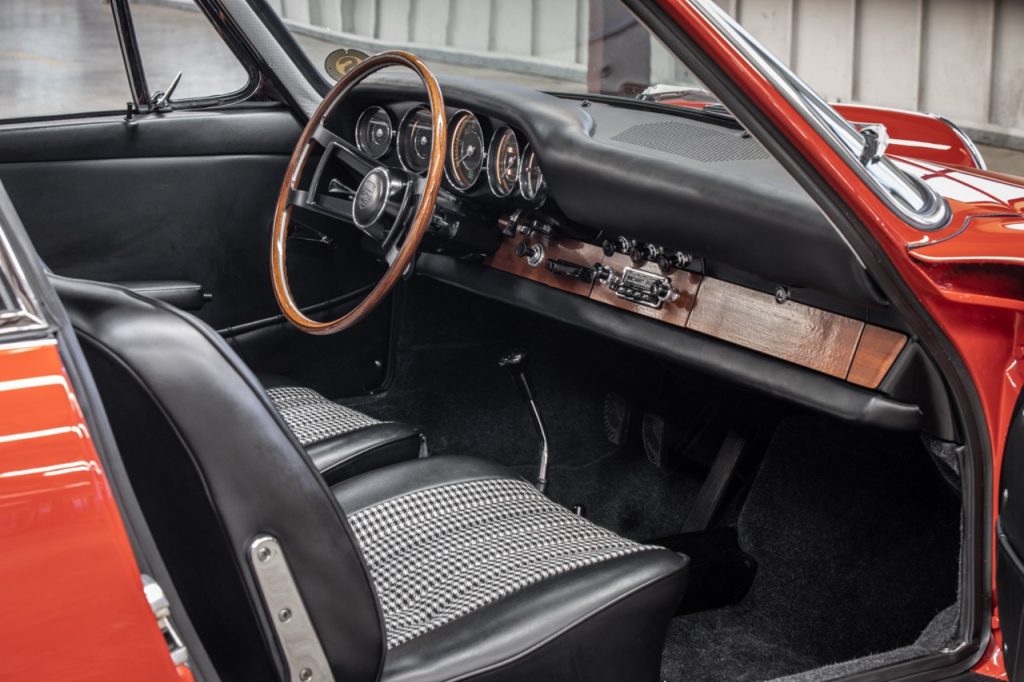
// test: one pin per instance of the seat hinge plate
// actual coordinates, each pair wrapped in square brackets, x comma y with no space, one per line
[304,656]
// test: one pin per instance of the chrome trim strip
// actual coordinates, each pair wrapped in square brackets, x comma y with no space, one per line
[303,654]
[972,148]
[26,314]
[912,199]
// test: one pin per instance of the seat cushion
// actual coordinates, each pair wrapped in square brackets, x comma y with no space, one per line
[341,441]
[474,568]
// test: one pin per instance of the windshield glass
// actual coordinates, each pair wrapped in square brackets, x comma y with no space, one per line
[577,46]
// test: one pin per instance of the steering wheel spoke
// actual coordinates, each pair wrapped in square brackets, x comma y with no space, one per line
[389,206]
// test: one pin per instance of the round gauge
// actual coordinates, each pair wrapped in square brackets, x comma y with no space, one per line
[374,132]
[503,162]
[531,179]
[415,140]
[465,160]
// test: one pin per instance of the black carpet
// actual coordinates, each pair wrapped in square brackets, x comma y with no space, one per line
[857,542]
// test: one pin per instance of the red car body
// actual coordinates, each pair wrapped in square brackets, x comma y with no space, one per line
[79,613]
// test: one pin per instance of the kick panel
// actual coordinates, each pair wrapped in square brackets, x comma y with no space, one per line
[653,286]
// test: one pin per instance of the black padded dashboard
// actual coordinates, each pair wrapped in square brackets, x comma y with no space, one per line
[662,177]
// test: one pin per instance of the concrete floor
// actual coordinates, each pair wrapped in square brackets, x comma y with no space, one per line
[62,57]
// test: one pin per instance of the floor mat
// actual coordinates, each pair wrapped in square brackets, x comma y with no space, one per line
[857,542]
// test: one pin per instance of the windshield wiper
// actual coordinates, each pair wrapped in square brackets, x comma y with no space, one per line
[660,93]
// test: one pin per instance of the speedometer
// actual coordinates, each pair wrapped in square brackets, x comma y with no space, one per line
[415,140]
[503,162]
[374,132]
[531,178]
[465,161]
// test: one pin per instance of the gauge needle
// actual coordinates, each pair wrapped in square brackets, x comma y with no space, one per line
[470,151]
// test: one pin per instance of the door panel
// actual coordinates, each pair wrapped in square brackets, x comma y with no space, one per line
[190,196]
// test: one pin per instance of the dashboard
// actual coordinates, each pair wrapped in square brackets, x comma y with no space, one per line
[618,217]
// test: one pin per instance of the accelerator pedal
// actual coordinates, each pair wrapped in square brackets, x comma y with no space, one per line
[712,492]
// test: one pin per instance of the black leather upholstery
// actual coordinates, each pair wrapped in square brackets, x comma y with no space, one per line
[215,466]
[371,447]
[366,448]
[180,294]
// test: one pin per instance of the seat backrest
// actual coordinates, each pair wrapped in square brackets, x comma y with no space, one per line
[214,467]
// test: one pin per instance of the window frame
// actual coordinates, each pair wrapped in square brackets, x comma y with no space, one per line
[135,71]
[256,89]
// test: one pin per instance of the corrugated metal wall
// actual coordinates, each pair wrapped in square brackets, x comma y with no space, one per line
[960,58]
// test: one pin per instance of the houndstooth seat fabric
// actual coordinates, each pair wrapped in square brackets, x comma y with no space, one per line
[438,554]
[313,418]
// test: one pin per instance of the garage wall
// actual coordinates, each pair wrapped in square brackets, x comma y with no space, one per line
[960,58]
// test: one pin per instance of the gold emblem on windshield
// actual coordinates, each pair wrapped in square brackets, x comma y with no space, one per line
[340,62]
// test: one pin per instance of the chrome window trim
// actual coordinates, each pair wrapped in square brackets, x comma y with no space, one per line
[910,198]
[27,314]
[968,143]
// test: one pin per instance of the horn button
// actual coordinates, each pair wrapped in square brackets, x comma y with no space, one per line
[371,199]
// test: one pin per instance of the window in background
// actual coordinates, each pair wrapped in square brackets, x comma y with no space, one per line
[59,57]
[176,36]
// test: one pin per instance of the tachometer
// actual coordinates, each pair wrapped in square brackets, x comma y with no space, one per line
[503,162]
[465,160]
[531,178]
[374,132]
[415,139]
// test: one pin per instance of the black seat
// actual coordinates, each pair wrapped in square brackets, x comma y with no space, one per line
[434,569]
[341,440]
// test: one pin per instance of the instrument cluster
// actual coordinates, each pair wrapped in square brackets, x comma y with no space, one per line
[477,148]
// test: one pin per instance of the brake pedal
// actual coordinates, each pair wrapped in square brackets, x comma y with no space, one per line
[661,442]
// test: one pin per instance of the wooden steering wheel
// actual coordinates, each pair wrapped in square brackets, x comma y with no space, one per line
[376,199]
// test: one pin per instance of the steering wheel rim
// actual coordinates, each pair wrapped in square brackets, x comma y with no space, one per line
[315,132]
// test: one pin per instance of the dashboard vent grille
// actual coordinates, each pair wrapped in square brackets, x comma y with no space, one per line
[693,142]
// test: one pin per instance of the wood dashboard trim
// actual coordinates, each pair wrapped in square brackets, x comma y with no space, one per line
[836,345]
[790,331]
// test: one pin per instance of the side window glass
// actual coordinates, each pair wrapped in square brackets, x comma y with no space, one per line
[76,69]
[177,37]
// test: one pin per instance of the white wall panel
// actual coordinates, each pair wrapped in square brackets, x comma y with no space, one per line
[1008,65]
[512,26]
[771,22]
[956,58]
[470,24]
[888,53]
[296,9]
[429,22]
[554,30]
[823,46]
[960,58]
[393,20]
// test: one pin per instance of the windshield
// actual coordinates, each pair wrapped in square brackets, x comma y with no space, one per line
[577,46]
